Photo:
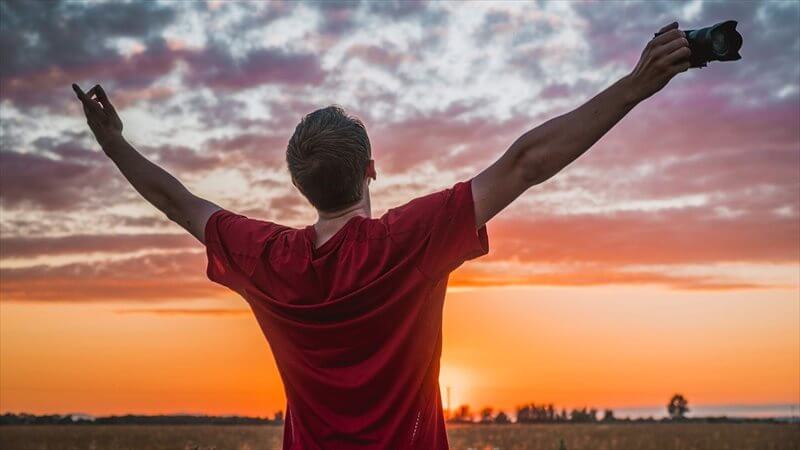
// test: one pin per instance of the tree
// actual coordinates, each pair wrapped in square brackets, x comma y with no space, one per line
[463,414]
[583,415]
[677,407]
[486,415]
[502,418]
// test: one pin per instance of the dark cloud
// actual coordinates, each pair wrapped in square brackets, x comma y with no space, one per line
[210,111]
[217,69]
[401,8]
[25,247]
[137,221]
[183,159]
[142,278]
[47,45]
[29,178]
[37,36]
[127,78]
[267,149]
[74,178]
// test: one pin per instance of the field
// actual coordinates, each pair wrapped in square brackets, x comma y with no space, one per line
[500,437]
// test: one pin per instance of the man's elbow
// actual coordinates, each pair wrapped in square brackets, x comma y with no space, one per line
[533,167]
[166,206]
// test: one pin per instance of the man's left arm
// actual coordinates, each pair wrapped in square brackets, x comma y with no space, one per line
[155,184]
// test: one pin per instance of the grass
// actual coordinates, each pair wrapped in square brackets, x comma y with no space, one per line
[462,437]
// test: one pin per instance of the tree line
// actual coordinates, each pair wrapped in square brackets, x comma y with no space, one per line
[526,414]
[135,419]
[547,413]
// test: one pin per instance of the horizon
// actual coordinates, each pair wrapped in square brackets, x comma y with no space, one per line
[666,259]
[757,411]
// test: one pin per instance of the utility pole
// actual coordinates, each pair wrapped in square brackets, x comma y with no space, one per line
[448,402]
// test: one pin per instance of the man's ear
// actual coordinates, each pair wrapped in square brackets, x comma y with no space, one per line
[371,173]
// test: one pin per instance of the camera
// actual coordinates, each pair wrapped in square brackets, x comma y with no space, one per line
[720,42]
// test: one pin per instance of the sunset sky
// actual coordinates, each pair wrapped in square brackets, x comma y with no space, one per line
[666,259]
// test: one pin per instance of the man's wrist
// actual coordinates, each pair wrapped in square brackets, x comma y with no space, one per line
[113,143]
[630,91]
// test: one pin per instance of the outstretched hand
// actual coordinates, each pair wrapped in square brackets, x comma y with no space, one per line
[665,56]
[100,115]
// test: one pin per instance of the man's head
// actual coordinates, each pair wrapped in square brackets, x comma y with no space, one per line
[329,158]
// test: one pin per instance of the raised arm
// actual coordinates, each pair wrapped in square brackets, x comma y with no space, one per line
[543,151]
[155,184]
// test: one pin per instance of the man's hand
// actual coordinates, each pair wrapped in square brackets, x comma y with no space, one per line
[100,115]
[665,56]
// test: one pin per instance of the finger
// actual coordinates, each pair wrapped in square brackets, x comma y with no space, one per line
[90,115]
[667,36]
[101,95]
[678,55]
[666,28]
[671,46]
[678,68]
[93,91]
[79,92]
[92,105]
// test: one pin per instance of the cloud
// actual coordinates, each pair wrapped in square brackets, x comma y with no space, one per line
[184,159]
[25,247]
[48,45]
[32,179]
[446,139]
[216,69]
[40,36]
[704,173]
[142,278]
[472,278]
[691,235]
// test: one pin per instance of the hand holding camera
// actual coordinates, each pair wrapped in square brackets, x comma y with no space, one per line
[665,56]
[672,51]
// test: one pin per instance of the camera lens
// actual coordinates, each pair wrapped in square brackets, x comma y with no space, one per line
[719,43]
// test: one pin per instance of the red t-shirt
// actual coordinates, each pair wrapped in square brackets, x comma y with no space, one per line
[355,325]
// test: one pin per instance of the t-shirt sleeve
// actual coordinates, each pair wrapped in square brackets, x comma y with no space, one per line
[234,245]
[443,224]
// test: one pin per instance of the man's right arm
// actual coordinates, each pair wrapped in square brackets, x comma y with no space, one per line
[543,151]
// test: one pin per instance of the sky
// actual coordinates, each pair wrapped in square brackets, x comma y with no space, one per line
[666,259]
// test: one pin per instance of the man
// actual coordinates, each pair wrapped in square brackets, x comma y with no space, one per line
[352,305]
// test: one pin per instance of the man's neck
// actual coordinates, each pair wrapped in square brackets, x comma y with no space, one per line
[328,223]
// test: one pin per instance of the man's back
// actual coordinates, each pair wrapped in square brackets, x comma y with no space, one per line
[355,325]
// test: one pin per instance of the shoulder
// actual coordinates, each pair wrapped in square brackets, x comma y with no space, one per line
[225,223]
[421,211]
